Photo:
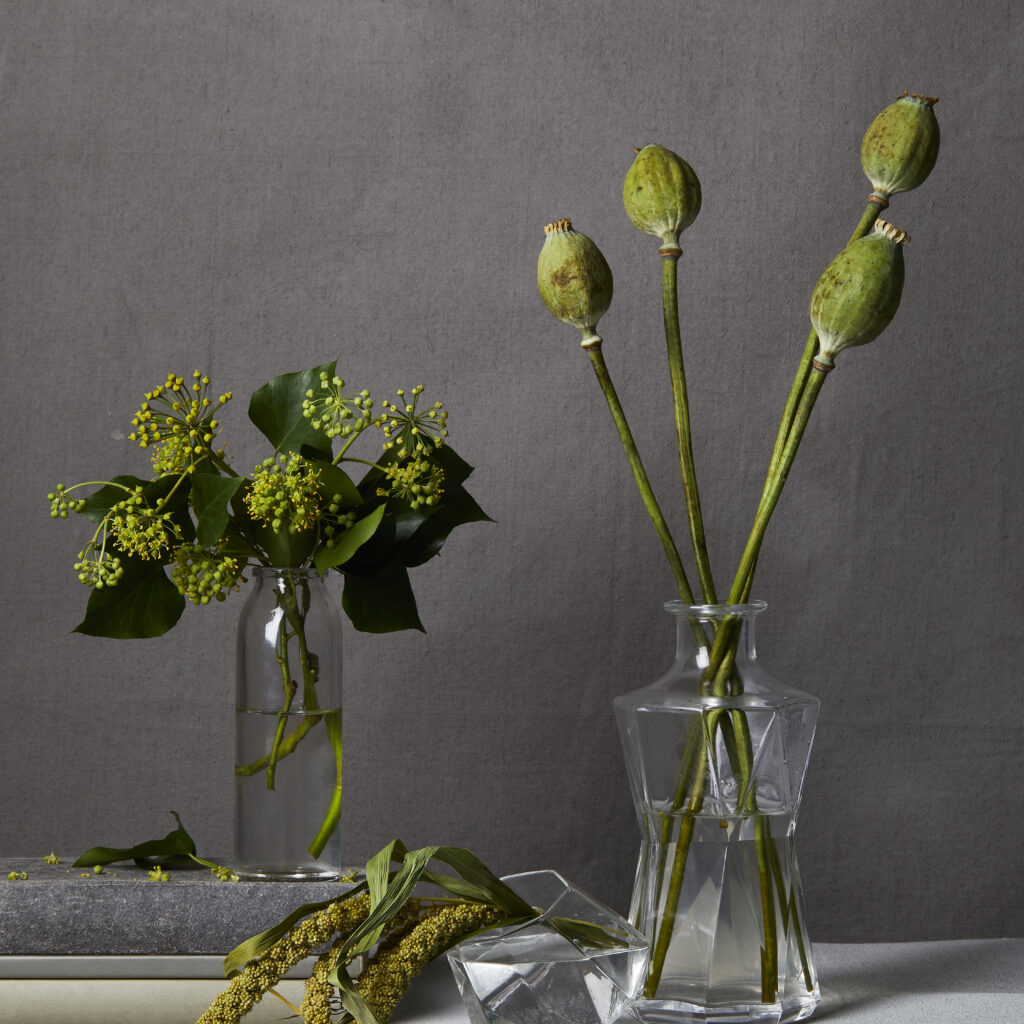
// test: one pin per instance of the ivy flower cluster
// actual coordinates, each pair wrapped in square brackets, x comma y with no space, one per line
[179,419]
[140,530]
[202,574]
[284,493]
[60,506]
[419,482]
[190,526]
[337,414]
[411,431]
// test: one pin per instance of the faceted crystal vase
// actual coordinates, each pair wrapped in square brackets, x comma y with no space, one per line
[577,962]
[716,751]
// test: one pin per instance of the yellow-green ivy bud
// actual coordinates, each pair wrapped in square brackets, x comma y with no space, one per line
[859,293]
[574,279]
[661,194]
[901,145]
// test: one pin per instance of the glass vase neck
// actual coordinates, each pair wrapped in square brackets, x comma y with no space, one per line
[306,572]
[698,624]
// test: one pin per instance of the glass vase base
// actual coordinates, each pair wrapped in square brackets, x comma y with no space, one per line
[288,875]
[665,1011]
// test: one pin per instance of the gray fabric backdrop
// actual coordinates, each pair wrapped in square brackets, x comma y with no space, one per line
[253,188]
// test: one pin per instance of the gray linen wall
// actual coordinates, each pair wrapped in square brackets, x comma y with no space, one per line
[253,188]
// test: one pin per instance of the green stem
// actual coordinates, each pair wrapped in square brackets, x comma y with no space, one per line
[723,653]
[593,349]
[221,463]
[332,720]
[286,747]
[675,884]
[790,914]
[803,394]
[674,345]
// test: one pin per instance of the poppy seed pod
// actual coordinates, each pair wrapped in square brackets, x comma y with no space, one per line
[573,278]
[661,194]
[859,293]
[901,145]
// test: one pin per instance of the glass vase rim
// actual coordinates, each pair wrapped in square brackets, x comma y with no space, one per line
[703,612]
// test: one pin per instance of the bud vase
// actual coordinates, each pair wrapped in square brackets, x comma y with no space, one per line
[716,751]
[288,728]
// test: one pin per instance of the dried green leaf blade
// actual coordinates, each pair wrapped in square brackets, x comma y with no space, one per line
[378,869]
[144,603]
[350,997]
[364,937]
[475,871]
[350,541]
[178,842]
[276,409]
[210,497]
[457,887]
[585,934]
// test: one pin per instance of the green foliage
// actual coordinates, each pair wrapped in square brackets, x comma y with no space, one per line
[176,848]
[143,604]
[276,408]
[300,507]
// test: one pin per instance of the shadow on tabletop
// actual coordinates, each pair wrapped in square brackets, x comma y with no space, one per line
[874,973]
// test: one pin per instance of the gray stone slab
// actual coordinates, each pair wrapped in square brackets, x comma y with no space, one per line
[60,910]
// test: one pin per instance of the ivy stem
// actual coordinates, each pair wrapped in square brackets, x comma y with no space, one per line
[670,307]
[332,722]
[592,346]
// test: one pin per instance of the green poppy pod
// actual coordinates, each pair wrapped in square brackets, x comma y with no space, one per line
[859,292]
[901,145]
[573,278]
[661,194]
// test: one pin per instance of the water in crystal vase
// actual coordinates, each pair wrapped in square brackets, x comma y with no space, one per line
[713,960]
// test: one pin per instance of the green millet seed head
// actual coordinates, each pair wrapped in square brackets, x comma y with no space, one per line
[859,292]
[389,972]
[574,279]
[901,145]
[249,987]
[661,194]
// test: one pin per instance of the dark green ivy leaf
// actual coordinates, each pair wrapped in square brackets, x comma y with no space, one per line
[334,480]
[144,603]
[175,844]
[210,497]
[381,603]
[276,409]
[458,507]
[97,505]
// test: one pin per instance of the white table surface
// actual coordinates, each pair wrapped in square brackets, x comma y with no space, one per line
[970,982]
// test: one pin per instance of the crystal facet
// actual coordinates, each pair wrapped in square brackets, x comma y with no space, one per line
[577,962]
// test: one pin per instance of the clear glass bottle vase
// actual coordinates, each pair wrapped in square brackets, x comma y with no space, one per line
[288,728]
[716,751]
